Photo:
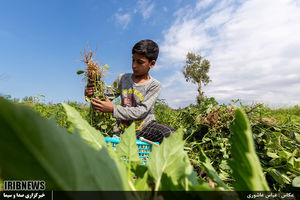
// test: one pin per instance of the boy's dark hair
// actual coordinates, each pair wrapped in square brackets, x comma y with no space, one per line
[148,48]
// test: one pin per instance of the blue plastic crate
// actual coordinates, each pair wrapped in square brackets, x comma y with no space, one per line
[144,148]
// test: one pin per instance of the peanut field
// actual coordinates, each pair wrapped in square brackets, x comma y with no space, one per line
[215,148]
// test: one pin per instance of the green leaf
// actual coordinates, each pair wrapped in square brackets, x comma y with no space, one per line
[80,72]
[142,187]
[297,164]
[224,175]
[211,172]
[278,177]
[284,154]
[297,136]
[115,87]
[87,99]
[104,127]
[190,178]
[33,148]
[296,182]
[106,67]
[127,146]
[141,183]
[94,138]
[272,155]
[245,165]
[167,184]
[203,187]
[87,132]
[291,161]
[168,158]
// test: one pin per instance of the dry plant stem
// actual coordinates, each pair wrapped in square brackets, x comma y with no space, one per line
[93,74]
[252,109]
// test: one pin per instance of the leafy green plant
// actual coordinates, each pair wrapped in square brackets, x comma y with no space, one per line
[209,126]
[245,164]
[274,141]
[40,150]
[205,161]
[94,74]
[88,133]
[35,145]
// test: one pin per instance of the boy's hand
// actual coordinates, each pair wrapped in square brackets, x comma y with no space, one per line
[102,106]
[89,90]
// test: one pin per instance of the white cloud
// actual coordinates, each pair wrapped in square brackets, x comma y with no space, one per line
[123,19]
[253,47]
[203,4]
[175,78]
[145,8]
[183,94]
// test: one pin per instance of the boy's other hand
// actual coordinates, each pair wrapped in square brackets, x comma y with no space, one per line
[89,90]
[102,106]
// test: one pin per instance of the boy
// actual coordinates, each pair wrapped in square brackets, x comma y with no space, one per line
[139,92]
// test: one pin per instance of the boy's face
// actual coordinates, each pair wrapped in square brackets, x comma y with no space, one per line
[141,64]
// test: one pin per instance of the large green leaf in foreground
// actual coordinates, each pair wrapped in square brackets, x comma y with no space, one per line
[32,148]
[169,160]
[245,165]
[87,132]
[95,139]
[127,146]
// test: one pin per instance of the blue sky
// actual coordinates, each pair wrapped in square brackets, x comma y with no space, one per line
[253,46]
